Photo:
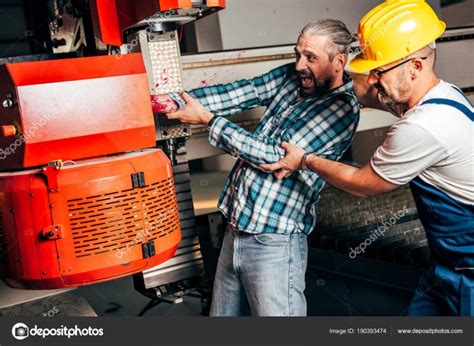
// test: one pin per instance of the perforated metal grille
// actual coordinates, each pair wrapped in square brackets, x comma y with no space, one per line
[115,220]
[166,66]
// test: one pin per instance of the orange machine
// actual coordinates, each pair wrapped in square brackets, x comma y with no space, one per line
[78,216]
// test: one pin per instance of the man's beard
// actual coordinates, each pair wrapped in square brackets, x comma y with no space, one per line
[387,99]
[403,92]
[311,85]
[392,100]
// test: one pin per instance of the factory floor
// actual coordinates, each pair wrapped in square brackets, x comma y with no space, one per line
[119,298]
[327,293]
[337,291]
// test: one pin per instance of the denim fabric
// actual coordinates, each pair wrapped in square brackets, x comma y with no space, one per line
[444,292]
[261,275]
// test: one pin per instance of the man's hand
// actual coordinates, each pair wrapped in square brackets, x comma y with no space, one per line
[163,104]
[287,165]
[193,113]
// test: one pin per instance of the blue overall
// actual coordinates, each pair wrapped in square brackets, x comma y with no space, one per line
[448,287]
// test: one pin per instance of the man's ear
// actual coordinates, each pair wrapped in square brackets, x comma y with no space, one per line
[339,62]
[416,68]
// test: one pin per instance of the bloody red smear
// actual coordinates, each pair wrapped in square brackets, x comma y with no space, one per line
[163,106]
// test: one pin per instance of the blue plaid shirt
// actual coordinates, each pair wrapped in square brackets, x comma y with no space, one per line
[254,201]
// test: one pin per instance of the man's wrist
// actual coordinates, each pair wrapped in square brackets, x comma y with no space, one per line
[207,119]
[212,121]
[304,162]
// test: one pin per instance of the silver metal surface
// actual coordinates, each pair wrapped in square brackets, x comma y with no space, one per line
[162,59]
[164,65]
[69,303]
[13,296]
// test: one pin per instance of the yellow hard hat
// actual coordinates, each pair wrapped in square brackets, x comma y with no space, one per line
[393,30]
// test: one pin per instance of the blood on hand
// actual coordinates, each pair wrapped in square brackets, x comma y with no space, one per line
[163,104]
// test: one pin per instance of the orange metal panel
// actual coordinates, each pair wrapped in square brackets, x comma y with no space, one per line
[106,21]
[165,5]
[112,17]
[216,3]
[103,221]
[76,108]
[66,70]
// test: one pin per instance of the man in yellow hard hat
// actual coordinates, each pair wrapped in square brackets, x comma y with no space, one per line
[430,147]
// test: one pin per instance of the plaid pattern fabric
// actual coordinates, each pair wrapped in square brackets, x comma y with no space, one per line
[254,201]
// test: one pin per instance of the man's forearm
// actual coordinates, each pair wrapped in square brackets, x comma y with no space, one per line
[227,99]
[362,182]
[339,175]
[252,148]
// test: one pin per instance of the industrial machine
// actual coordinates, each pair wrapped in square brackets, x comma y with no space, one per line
[85,195]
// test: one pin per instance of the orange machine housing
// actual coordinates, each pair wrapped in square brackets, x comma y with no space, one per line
[72,109]
[82,199]
[87,222]
[112,17]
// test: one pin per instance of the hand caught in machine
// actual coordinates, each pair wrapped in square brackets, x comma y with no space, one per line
[163,104]
[192,113]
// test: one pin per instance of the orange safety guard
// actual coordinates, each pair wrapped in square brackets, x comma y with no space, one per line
[76,108]
[101,225]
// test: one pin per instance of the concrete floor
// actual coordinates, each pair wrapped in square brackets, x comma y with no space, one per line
[119,298]
[328,294]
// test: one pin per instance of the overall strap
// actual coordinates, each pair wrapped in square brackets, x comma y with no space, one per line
[460,91]
[459,106]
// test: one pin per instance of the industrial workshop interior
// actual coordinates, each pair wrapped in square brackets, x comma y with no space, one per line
[133,134]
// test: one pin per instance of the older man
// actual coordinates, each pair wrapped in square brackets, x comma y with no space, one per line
[431,147]
[261,268]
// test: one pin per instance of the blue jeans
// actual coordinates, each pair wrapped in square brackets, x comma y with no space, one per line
[444,292]
[261,275]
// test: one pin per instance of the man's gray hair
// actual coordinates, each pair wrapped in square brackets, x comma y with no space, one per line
[340,38]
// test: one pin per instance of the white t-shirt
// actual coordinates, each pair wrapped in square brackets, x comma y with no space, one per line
[434,142]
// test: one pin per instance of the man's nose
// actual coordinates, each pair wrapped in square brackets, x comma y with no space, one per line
[301,64]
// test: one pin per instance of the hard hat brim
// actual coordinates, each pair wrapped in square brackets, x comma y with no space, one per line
[361,65]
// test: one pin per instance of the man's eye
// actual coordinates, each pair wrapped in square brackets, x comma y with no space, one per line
[311,58]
